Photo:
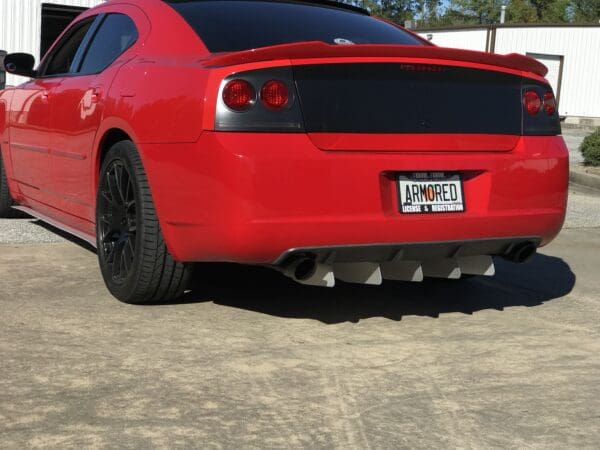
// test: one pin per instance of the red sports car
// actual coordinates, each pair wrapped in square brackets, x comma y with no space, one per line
[306,136]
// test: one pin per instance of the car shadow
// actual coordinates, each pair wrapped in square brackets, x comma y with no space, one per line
[542,279]
[266,291]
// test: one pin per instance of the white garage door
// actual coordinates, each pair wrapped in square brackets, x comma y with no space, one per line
[554,65]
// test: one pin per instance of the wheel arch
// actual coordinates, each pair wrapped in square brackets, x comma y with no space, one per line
[112,131]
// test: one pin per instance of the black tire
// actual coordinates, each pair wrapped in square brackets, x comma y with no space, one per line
[6,202]
[127,231]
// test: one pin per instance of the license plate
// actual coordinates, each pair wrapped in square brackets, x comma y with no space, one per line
[430,192]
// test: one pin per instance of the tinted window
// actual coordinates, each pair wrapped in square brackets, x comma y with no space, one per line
[116,34]
[62,57]
[241,25]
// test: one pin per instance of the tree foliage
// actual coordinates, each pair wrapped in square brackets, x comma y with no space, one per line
[461,12]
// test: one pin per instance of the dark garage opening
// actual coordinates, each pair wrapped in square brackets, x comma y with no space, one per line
[55,18]
[2,72]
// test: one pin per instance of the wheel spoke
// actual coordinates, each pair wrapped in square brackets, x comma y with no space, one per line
[131,246]
[125,263]
[129,193]
[113,186]
[107,196]
[118,256]
[117,223]
[109,250]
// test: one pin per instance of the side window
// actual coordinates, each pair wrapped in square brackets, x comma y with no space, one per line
[116,34]
[62,57]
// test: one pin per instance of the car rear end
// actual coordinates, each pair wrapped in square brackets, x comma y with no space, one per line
[370,161]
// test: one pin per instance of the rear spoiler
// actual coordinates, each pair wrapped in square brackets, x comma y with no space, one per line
[318,49]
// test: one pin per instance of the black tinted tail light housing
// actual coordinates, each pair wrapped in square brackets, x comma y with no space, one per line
[261,115]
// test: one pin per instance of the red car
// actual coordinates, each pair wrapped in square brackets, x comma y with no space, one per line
[306,136]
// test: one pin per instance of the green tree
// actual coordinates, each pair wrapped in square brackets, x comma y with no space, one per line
[478,11]
[586,10]
[540,7]
[396,10]
[520,11]
[558,11]
[427,11]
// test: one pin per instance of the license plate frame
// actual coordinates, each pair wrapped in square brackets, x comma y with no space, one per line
[422,186]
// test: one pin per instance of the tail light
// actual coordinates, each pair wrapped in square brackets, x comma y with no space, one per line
[537,97]
[238,108]
[532,102]
[549,103]
[239,95]
[275,94]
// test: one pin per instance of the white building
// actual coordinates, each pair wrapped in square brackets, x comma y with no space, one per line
[571,53]
[31,26]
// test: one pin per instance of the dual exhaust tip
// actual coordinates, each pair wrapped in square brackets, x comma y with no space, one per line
[307,270]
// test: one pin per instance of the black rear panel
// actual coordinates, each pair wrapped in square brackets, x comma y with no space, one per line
[408,98]
[413,98]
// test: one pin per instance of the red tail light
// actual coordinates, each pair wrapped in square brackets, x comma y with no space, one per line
[532,102]
[274,94]
[549,103]
[239,95]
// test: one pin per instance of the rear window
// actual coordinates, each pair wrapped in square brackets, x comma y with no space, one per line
[235,25]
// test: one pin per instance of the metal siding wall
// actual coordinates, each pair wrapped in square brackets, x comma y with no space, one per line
[469,39]
[580,88]
[21,26]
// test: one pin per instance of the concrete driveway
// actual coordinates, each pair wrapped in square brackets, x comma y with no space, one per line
[250,360]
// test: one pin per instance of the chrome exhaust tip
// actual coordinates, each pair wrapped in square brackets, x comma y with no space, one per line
[307,271]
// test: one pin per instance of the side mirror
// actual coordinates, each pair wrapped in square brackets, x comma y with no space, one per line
[20,64]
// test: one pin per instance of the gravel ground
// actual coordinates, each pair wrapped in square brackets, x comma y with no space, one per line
[583,210]
[27,231]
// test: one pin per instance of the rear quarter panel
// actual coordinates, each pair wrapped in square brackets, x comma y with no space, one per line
[161,99]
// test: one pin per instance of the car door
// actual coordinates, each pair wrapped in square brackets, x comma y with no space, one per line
[78,106]
[30,119]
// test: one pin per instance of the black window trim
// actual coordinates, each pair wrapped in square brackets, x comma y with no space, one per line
[82,51]
[46,62]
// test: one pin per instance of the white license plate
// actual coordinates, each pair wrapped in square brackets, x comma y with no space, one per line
[430,192]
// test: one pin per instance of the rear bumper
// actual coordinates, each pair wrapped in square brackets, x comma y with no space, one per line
[251,197]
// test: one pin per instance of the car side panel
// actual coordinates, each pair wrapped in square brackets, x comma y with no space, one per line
[30,135]
[5,101]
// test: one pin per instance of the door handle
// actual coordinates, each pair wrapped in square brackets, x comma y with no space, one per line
[45,96]
[96,94]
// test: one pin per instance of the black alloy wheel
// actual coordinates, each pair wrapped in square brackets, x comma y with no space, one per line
[117,221]
[135,262]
